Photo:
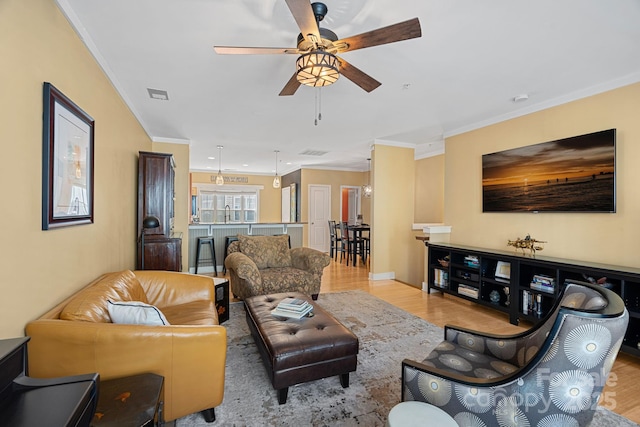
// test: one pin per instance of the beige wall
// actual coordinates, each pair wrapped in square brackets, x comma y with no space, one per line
[429,195]
[599,237]
[40,268]
[181,189]
[394,249]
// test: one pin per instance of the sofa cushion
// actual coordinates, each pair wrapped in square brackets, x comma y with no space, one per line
[135,313]
[266,251]
[201,312]
[90,304]
[275,280]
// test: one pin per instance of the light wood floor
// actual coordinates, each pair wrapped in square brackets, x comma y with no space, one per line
[620,395]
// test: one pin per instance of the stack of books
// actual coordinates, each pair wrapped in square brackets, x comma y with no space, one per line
[471,261]
[468,291]
[543,283]
[295,308]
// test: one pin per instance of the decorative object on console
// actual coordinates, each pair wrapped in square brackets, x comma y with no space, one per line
[527,243]
[494,296]
[503,271]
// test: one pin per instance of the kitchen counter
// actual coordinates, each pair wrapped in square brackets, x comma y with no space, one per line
[219,232]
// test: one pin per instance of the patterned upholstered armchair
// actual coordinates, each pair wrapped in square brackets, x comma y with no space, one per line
[551,375]
[261,265]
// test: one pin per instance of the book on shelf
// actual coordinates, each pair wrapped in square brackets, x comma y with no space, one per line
[440,278]
[543,283]
[531,303]
[471,261]
[468,291]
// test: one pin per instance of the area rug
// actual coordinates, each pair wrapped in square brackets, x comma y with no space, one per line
[387,335]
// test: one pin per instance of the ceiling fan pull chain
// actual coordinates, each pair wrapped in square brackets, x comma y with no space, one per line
[319,103]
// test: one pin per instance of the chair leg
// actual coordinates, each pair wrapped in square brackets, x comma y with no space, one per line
[282,395]
[209,415]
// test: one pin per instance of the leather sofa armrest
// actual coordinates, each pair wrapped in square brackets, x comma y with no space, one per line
[309,259]
[191,358]
[168,288]
[244,267]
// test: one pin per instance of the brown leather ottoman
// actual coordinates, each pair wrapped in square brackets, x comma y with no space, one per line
[296,351]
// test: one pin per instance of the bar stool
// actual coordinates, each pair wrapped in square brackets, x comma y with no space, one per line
[206,240]
[227,241]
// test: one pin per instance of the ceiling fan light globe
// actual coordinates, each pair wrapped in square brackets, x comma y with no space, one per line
[317,68]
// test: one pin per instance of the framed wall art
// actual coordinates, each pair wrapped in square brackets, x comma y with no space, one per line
[575,174]
[67,162]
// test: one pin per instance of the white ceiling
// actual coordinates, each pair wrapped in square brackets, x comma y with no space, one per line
[473,58]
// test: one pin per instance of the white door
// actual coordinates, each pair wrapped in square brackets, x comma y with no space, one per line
[319,216]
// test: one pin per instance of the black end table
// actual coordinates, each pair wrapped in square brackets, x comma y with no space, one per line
[222,299]
[130,401]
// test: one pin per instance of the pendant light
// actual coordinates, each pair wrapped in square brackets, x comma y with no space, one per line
[276,179]
[219,178]
[367,190]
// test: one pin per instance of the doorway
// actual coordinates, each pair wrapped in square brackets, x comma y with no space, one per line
[319,216]
[349,203]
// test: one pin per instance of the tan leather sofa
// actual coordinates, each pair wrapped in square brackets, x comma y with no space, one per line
[77,336]
[261,265]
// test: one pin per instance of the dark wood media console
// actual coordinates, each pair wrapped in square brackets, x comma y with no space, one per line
[524,287]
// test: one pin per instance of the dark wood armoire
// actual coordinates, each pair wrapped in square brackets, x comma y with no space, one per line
[159,248]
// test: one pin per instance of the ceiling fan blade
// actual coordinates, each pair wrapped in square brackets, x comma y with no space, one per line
[232,50]
[306,20]
[393,33]
[358,76]
[291,87]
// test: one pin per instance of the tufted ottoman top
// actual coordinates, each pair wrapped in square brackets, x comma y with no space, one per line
[291,343]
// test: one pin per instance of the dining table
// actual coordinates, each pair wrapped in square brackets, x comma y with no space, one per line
[359,242]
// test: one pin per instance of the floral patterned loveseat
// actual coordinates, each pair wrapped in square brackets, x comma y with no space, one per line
[261,265]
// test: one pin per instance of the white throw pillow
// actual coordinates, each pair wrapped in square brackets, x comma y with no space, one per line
[135,313]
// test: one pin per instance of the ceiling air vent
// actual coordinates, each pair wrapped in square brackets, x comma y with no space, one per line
[313,153]
[158,94]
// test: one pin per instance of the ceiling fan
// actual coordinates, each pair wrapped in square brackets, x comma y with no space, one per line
[318,63]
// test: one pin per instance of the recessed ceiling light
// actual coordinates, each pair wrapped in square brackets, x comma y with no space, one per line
[520,98]
[211,158]
[245,165]
[288,163]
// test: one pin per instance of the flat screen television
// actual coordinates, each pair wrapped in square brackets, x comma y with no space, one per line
[574,174]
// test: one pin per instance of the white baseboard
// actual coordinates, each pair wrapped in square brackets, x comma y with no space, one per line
[390,275]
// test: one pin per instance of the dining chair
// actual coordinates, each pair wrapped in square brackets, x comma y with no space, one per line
[333,239]
[348,242]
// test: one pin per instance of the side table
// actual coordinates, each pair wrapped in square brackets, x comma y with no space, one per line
[134,401]
[222,298]
[416,414]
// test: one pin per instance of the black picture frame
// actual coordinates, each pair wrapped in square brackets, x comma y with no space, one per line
[67,162]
